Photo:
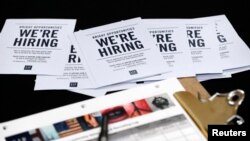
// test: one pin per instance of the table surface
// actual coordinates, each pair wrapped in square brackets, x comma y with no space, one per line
[18,98]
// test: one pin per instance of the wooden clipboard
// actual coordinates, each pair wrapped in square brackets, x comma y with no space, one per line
[219,109]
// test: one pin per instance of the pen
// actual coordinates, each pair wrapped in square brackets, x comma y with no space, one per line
[103,136]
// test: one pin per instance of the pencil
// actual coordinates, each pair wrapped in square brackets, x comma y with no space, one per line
[103,136]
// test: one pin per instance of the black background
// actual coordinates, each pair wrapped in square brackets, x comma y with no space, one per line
[17,98]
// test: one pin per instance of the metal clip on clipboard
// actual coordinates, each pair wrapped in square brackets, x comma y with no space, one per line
[221,108]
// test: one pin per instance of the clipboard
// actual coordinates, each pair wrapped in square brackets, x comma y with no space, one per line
[183,96]
[219,109]
[128,109]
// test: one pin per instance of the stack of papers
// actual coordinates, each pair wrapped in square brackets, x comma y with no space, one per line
[121,55]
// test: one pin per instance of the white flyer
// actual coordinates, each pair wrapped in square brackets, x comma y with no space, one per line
[105,90]
[34,46]
[236,70]
[75,76]
[120,52]
[234,52]
[170,39]
[205,77]
[143,113]
[202,42]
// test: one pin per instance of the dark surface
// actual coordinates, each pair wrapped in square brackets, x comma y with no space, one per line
[17,97]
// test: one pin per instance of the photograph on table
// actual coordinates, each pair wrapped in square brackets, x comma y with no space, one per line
[25,136]
[137,108]
[36,135]
[115,114]
[49,133]
[68,127]
[90,121]
[159,102]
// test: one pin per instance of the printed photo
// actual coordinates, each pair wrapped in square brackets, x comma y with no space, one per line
[89,121]
[68,127]
[159,102]
[137,108]
[49,133]
[98,116]
[115,114]
[36,135]
[20,137]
